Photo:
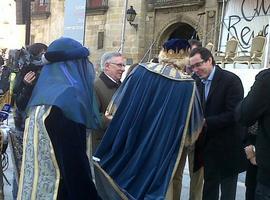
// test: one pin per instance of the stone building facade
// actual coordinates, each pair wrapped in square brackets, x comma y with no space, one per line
[158,20]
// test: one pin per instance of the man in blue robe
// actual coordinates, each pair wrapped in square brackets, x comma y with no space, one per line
[62,106]
[156,112]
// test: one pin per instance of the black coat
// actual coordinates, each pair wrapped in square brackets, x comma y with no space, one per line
[256,107]
[223,149]
[21,95]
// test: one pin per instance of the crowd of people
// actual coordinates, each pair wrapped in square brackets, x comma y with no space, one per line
[142,129]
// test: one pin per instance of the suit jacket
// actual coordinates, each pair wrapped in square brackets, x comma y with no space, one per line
[105,89]
[223,149]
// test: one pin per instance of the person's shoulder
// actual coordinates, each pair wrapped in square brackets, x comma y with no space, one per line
[97,80]
[98,83]
[228,74]
[263,75]
[100,78]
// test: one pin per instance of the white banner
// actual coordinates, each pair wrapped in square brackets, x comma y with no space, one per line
[244,19]
[267,49]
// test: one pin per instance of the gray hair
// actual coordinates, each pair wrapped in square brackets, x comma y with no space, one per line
[106,57]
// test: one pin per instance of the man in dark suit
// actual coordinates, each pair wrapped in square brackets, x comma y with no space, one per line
[223,152]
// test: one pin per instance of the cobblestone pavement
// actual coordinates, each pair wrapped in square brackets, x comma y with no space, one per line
[9,174]
[240,193]
[185,190]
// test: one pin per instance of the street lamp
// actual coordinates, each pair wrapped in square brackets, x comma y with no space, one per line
[131,14]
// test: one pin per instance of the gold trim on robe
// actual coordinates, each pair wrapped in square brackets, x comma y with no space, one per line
[40,174]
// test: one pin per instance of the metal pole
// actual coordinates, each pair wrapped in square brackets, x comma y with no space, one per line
[221,24]
[1,178]
[266,55]
[124,27]
[84,23]
[27,22]
[148,51]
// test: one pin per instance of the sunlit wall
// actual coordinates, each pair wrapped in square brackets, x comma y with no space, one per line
[11,35]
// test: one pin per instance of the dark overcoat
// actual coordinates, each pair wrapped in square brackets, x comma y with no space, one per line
[104,89]
[223,149]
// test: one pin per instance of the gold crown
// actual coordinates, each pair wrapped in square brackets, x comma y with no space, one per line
[171,54]
[180,58]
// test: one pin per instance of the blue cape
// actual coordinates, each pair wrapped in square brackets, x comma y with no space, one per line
[69,86]
[158,109]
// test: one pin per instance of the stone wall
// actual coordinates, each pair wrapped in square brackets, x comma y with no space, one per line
[111,23]
[46,29]
[154,25]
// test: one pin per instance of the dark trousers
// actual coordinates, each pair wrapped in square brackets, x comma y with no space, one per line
[227,185]
[251,181]
[262,192]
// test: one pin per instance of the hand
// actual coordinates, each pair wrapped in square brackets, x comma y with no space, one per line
[249,152]
[108,115]
[29,78]
[204,123]
[107,118]
[253,161]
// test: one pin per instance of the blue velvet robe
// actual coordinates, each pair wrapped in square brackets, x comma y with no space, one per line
[157,112]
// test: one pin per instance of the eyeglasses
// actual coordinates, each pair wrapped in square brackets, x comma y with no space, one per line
[120,65]
[198,64]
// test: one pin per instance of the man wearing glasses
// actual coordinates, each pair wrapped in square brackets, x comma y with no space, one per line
[222,148]
[113,66]
[106,84]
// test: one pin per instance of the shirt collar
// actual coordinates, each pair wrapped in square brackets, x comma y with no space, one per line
[108,81]
[110,78]
[211,75]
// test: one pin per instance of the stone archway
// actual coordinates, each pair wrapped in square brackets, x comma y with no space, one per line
[180,27]
[184,31]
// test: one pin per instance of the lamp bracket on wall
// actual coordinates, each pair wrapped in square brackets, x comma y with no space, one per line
[134,25]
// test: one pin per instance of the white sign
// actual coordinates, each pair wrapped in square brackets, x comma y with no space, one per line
[244,19]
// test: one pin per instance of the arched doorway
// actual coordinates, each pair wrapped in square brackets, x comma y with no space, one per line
[176,30]
[183,31]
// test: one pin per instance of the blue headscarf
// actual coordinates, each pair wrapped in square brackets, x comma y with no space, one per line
[67,83]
